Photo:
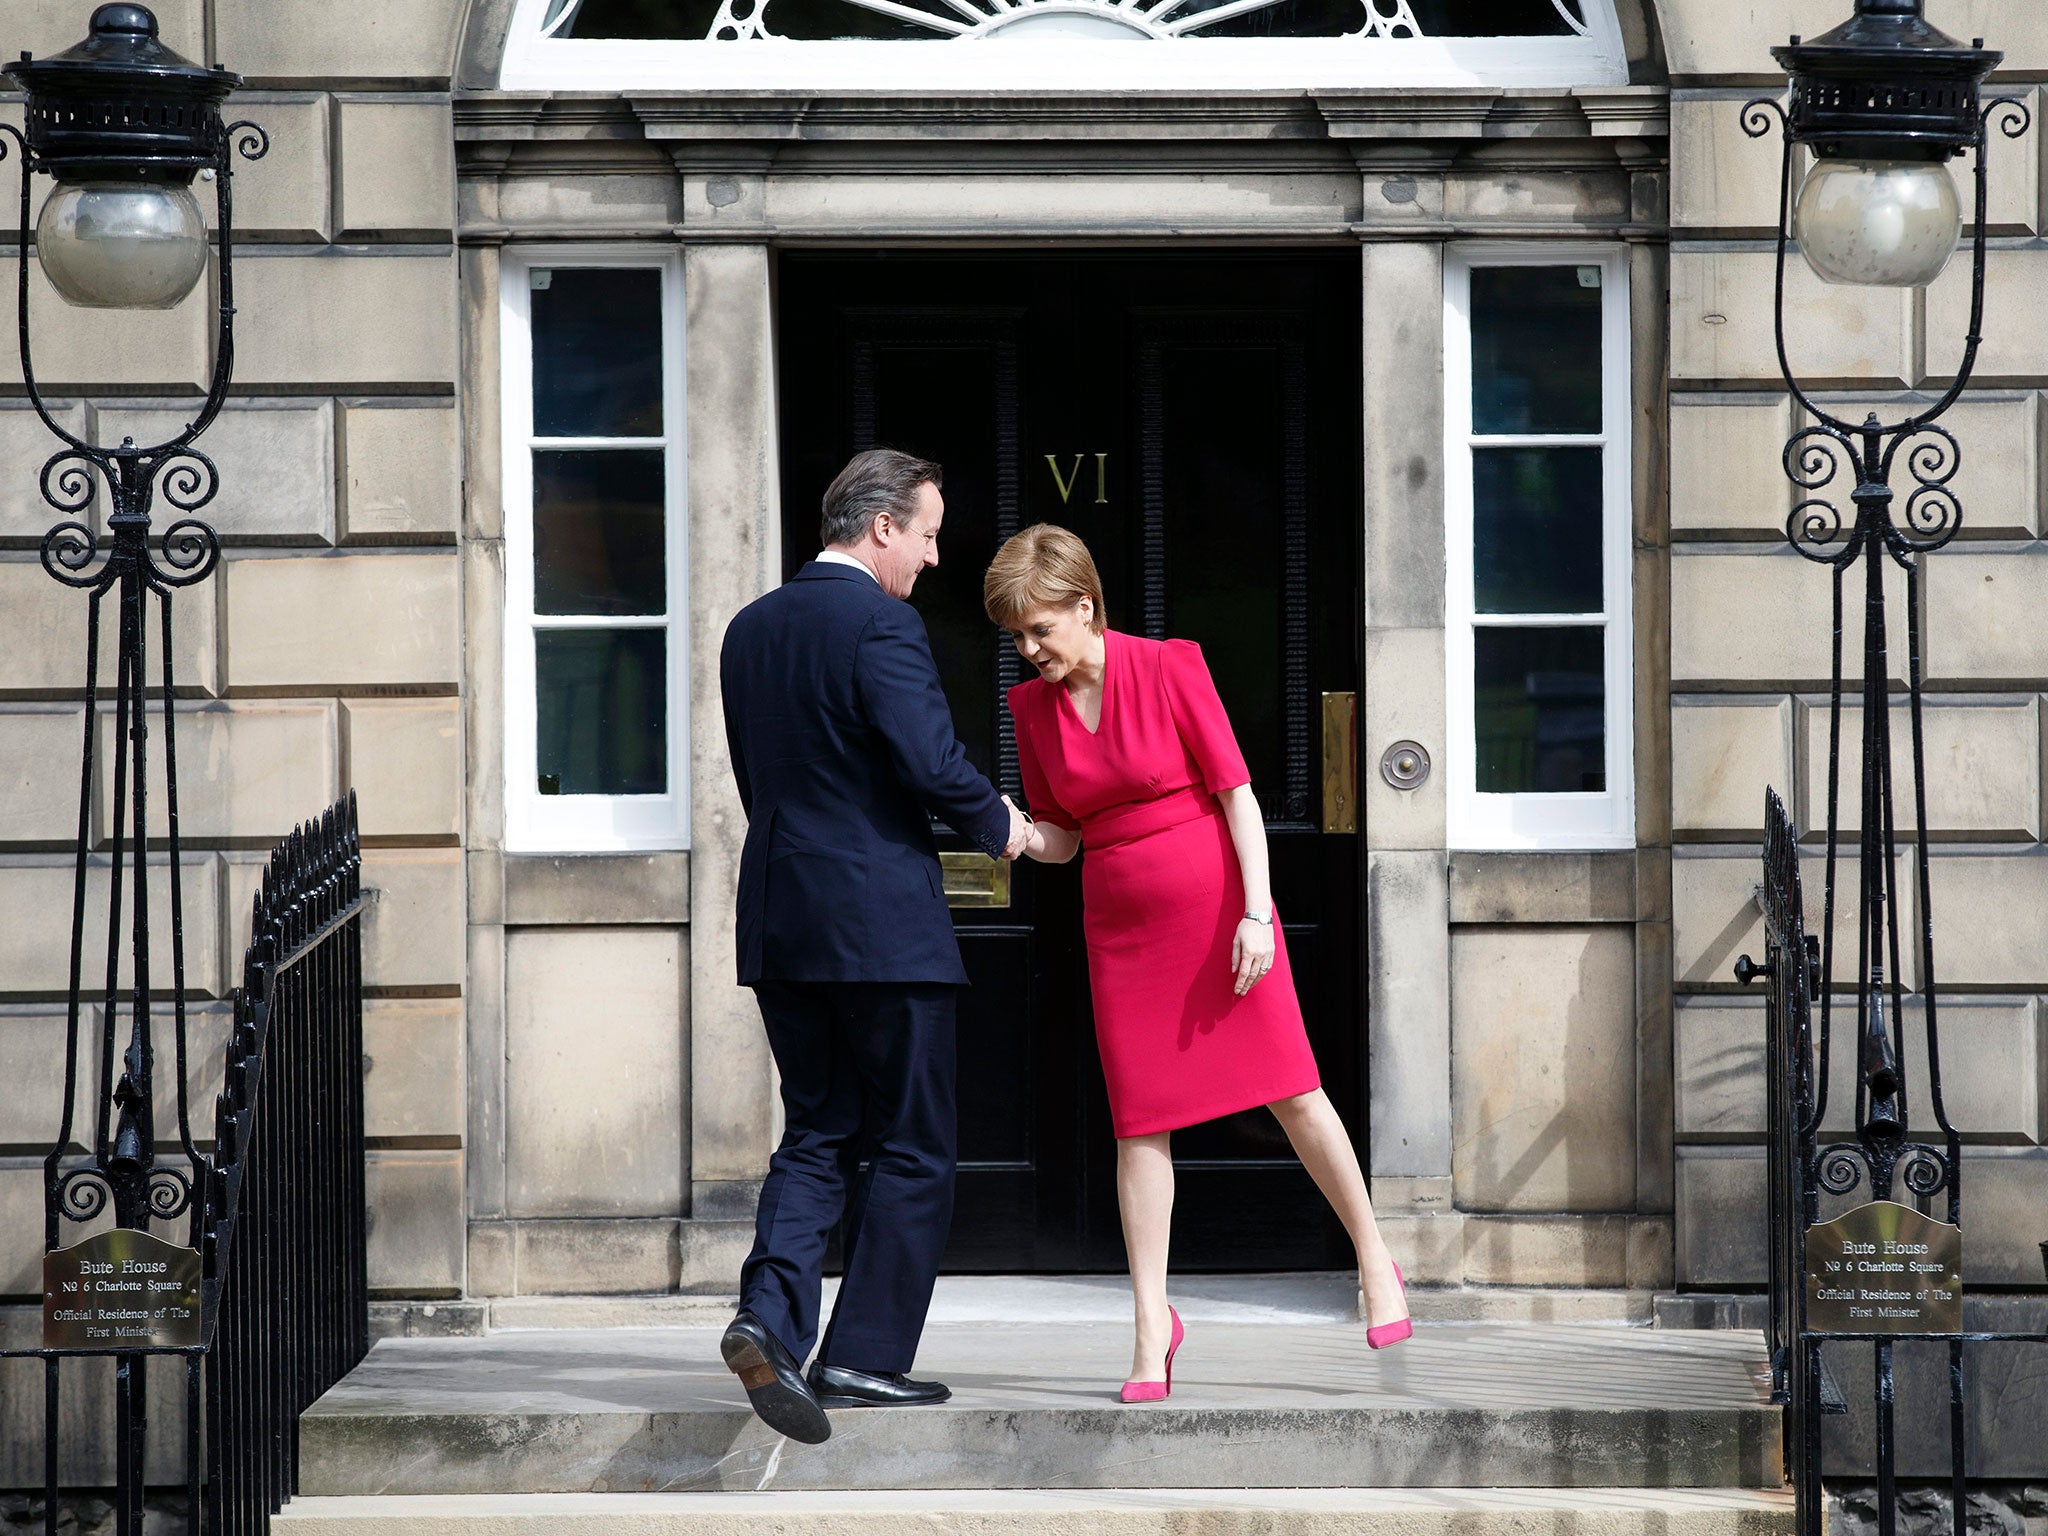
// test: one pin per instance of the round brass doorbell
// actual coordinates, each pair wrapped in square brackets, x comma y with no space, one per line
[1405,765]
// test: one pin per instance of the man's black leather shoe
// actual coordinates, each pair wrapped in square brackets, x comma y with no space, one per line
[774,1382]
[838,1387]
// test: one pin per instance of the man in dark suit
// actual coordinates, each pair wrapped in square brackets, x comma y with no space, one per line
[844,748]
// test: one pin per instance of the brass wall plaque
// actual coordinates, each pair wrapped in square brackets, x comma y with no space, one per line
[121,1290]
[1884,1268]
[974,880]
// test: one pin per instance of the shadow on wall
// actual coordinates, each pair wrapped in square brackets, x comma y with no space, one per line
[1543,1068]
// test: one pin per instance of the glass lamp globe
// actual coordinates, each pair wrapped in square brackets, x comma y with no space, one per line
[1879,223]
[122,244]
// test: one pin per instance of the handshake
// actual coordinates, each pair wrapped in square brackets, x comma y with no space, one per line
[1020,831]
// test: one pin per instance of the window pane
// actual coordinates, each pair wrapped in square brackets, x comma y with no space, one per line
[596,352]
[1536,516]
[599,545]
[603,711]
[1282,18]
[1540,710]
[1536,349]
[1490,18]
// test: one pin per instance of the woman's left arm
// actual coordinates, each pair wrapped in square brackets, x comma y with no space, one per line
[1251,952]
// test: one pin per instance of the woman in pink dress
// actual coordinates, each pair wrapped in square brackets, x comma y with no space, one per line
[1125,748]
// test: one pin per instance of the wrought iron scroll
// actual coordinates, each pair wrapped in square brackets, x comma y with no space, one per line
[1851,520]
[131,565]
[138,1164]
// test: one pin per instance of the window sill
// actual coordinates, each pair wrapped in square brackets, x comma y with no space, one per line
[568,889]
[1544,887]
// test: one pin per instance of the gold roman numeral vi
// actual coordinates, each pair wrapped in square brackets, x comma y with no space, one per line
[1066,482]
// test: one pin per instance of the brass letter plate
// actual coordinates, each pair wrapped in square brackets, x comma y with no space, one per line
[975,880]
[121,1290]
[1340,762]
[1884,1268]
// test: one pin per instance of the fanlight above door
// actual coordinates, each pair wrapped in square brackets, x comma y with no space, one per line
[699,47]
[1080,20]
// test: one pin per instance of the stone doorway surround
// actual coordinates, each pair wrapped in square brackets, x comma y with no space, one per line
[734,179]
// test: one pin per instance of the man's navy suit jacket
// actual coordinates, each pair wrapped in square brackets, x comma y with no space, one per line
[842,742]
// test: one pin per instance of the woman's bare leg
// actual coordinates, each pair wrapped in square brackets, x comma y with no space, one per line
[1144,1196]
[1320,1141]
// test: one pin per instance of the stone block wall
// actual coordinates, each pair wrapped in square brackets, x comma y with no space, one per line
[1750,641]
[327,654]
[619,1080]
[1519,1007]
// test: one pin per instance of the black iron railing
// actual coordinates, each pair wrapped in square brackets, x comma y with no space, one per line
[1802,1168]
[276,1207]
[282,1236]
[1792,970]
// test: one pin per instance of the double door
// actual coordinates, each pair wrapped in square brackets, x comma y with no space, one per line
[1195,419]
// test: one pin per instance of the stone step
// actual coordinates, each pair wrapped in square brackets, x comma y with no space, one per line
[1279,1298]
[1107,1512]
[712,1253]
[1254,1406]
[1670,1309]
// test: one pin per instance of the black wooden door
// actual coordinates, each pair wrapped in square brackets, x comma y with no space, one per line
[1196,419]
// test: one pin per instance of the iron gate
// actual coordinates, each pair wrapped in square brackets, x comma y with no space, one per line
[276,1207]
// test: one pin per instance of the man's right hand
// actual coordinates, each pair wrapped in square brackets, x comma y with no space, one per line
[1020,830]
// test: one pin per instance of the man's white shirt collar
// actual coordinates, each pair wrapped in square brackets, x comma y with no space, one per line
[838,557]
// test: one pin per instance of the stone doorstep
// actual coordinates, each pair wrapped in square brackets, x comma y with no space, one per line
[1110,1512]
[409,1319]
[1711,1309]
[1278,1299]
[1255,1406]
[1464,1304]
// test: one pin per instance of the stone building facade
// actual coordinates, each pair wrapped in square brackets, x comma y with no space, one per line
[1749,696]
[1553,1074]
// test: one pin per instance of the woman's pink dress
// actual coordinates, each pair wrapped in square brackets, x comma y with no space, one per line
[1161,889]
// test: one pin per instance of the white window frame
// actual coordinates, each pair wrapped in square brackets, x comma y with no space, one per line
[537,823]
[1535,820]
[535,62]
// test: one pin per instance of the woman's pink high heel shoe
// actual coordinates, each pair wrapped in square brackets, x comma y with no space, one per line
[1154,1391]
[1391,1333]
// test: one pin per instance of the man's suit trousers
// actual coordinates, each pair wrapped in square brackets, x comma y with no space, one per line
[867,1077]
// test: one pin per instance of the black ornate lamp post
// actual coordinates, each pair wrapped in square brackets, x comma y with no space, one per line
[124,127]
[1883,103]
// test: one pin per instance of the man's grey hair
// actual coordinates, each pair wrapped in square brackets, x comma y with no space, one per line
[880,480]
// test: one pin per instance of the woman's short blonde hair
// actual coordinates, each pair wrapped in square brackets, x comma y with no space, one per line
[1045,566]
